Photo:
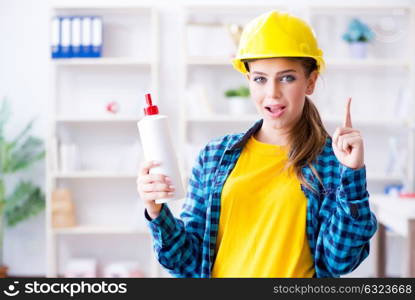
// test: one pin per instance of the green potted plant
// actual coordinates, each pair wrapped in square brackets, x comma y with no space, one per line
[358,35]
[238,100]
[17,154]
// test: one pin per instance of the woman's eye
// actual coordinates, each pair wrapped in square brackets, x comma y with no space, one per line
[287,78]
[260,79]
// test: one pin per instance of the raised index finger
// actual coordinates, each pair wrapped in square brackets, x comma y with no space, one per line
[348,118]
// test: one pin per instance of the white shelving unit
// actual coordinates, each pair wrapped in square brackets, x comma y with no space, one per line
[100,230]
[109,214]
[93,175]
[92,119]
[104,61]
[374,82]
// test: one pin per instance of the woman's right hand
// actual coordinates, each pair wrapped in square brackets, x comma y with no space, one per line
[151,187]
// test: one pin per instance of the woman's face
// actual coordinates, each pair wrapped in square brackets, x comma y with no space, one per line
[278,88]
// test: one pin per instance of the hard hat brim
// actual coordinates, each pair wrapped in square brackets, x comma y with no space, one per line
[239,63]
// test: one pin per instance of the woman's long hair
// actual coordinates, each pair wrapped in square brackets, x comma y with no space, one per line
[308,136]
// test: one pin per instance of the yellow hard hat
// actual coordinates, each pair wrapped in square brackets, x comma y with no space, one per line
[277,34]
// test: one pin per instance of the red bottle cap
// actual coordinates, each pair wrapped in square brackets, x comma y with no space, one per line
[150,109]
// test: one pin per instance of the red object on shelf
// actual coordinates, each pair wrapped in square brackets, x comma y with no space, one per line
[407,195]
[150,109]
[113,107]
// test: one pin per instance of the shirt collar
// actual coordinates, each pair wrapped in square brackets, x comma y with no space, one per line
[239,143]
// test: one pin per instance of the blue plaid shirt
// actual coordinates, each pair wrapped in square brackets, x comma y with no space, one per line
[339,221]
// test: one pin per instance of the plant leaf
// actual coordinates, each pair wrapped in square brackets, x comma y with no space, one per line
[26,154]
[22,134]
[5,113]
[25,201]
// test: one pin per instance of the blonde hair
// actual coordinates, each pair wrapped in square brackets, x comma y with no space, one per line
[308,136]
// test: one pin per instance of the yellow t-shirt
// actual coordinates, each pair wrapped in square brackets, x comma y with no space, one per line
[262,226]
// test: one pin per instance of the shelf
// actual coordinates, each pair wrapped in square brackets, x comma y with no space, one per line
[86,119]
[366,122]
[224,118]
[384,177]
[366,63]
[102,61]
[321,8]
[330,62]
[209,61]
[240,8]
[109,8]
[94,175]
[99,230]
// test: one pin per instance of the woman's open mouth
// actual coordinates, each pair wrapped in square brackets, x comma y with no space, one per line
[275,111]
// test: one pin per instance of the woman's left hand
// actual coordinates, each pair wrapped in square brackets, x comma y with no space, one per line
[348,143]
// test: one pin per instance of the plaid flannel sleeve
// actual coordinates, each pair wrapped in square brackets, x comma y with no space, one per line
[351,225]
[178,242]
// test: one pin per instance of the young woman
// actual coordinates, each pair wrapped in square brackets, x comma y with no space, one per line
[283,199]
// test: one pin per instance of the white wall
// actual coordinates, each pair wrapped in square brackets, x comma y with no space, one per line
[23,56]
[24,53]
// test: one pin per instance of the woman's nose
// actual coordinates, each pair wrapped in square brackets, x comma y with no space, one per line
[274,90]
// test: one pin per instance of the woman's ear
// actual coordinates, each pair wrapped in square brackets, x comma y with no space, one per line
[312,79]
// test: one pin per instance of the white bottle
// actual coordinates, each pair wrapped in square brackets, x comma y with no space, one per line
[157,145]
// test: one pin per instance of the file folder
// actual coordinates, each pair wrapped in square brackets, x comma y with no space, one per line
[55,38]
[86,37]
[66,37]
[96,37]
[76,36]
